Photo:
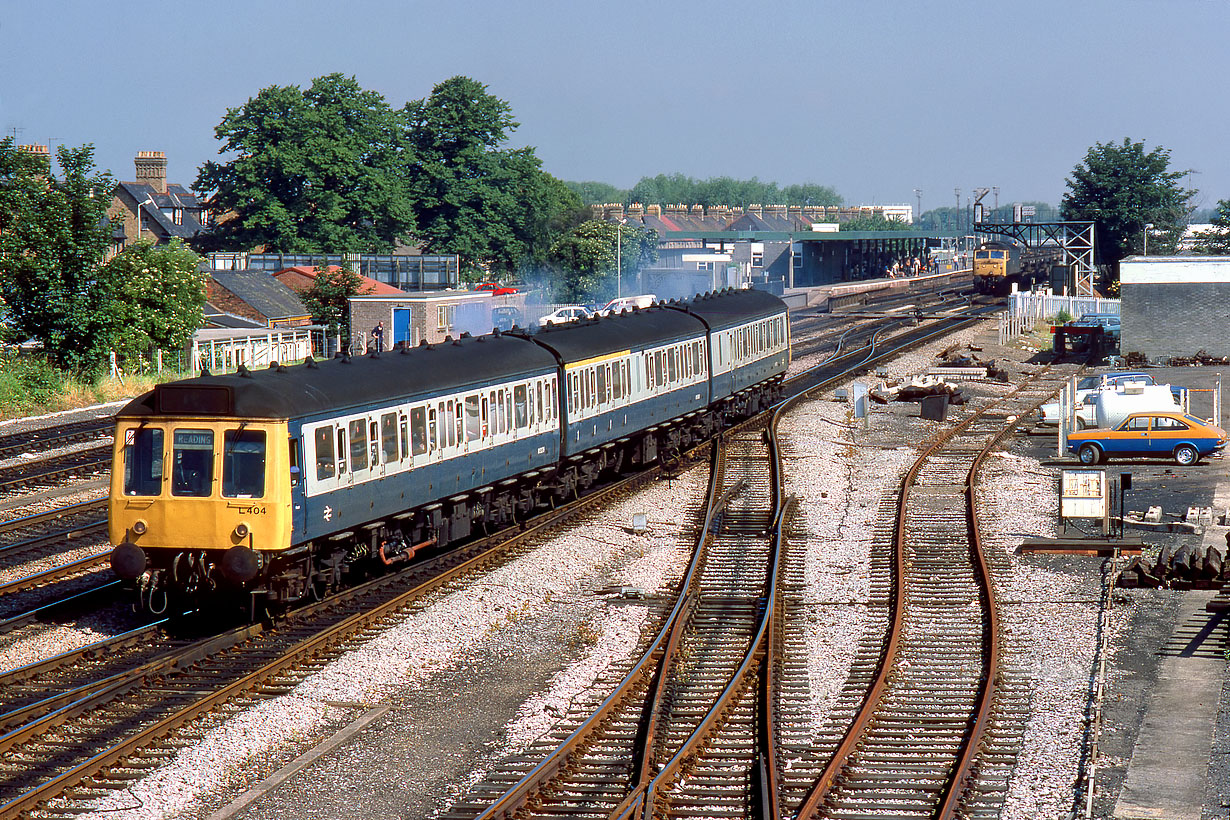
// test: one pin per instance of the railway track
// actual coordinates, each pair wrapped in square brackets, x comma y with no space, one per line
[937,712]
[86,462]
[111,732]
[46,438]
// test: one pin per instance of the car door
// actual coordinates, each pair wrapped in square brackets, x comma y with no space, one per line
[1166,432]
[1135,438]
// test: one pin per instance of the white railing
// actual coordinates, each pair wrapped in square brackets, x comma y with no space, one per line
[1045,305]
[1025,310]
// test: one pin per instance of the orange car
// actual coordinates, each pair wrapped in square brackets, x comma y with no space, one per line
[1176,435]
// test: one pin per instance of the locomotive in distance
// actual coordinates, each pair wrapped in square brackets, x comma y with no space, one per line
[261,488]
[999,265]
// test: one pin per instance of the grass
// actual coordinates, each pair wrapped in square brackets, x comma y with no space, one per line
[30,386]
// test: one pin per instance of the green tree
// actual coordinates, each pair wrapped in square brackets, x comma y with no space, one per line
[156,295]
[493,207]
[1216,240]
[585,258]
[598,193]
[328,297]
[876,222]
[1121,188]
[53,235]
[316,171]
[686,190]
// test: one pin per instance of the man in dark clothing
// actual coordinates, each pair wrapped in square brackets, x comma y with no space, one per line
[378,336]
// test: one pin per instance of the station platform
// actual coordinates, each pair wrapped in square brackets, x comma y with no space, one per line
[846,294]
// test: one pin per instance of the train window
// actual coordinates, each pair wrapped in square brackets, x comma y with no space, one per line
[375,440]
[418,431]
[405,438]
[323,439]
[981,255]
[341,450]
[243,464]
[659,368]
[358,445]
[388,436]
[433,442]
[671,370]
[617,381]
[538,388]
[473,425]
[601,383]
[143,461]
[521,415]
[485,414]
[450,423]
[192,463]
[501,413]
[459,422]
[997,254]
[508,404]
[295,472]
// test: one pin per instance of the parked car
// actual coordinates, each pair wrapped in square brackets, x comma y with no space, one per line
[496,288]
[505,318]
[1049,413]
[1176,435]
[566,313]
[622,303]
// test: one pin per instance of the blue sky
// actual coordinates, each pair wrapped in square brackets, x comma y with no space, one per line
[874,99]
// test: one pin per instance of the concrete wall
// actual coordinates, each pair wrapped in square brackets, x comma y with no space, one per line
[1175,306]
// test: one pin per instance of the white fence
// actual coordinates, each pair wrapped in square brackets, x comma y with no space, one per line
[1027,309]
[223,350]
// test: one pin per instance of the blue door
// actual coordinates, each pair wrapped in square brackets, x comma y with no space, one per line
[401,326]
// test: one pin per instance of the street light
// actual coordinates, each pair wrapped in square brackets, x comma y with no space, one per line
[619,266]
[1148,225]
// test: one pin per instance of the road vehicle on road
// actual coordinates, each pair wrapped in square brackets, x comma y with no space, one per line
[564,313]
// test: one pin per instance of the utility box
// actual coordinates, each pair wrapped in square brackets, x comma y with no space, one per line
[935,408]
[1084,495]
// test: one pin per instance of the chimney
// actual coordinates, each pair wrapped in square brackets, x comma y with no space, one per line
[653,210]
[152,169]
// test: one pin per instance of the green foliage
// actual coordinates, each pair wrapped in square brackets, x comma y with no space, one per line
[683,189]
[328,297]
[598,193]
[585,258]
[1063,317]
[1216,240]
[493,207]
[156,295]
[317,171]
[876,222]
[1121,188]
[53,235]
[27,383]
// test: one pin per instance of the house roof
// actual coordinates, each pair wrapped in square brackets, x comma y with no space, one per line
[152,203]
[216,317]
[371,287]
[266,295]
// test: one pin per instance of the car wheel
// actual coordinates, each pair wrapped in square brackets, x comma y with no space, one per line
[1090,454]
[1186,455]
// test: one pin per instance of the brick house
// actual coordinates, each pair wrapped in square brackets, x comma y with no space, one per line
[152,209]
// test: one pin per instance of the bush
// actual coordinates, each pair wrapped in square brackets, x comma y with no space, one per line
[1063,317]
[29,383]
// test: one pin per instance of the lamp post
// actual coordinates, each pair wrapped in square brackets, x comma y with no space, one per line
[1148,225]
[619,260]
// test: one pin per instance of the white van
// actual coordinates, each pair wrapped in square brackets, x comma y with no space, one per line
[1110,407]
[622,303]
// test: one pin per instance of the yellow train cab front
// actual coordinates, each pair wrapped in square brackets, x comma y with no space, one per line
[200,484]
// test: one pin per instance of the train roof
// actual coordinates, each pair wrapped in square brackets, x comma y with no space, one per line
[630,330]
[730,308]
[333,385]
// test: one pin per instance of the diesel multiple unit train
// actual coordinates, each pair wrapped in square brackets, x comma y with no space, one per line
[290,481]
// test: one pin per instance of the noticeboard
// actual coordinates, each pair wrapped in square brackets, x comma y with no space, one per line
[1083,494]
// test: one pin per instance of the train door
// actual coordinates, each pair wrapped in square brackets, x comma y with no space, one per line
[377,467]
[344,477]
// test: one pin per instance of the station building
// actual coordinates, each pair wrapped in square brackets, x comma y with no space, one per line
[1175,305]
